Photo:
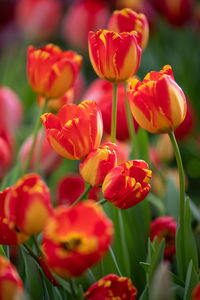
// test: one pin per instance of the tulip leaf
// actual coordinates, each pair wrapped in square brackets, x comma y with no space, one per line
[177,280]
[172,199]
[194,210]
[142,138]
[192,279]
[145,266]
[145,294]
[2,251]
[156,259]
[11,176]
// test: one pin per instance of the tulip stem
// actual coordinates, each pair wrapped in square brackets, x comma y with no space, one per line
[115,261]
[102,201]
[35,132]
[28,248]
[36,245]
[114,114]
[182,194]
[131,128]
[38,154]
[88,188]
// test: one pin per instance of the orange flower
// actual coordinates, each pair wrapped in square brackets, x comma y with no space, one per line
[28,204]
[127,184]
[51,71]
[127,20]
[114,56]
[71,244]
[76,130]
[11,285]
[158,103]
[10,234]
[112,287]
[98,163]
[165,227]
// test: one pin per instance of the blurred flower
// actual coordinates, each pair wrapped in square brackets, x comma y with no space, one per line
[38,19]
[69,189]
[158,103]
[112,287]
[122,150]
[11,285]
[154,157]
[102,91]
[49,159]
[186,128]
[94,193]
[28,204]
[98,163]
[51,71]
[82,17]
[165,227]
[196,292]
[5,157]
[128,20]
[71,244]
[165,148]
[47,272]
[127,184]
[76,130]
[114,56]
[177,12]
[79,87]
[10,234]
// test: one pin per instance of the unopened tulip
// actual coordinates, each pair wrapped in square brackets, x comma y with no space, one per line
[165,228]
[127,20]
[71,244]
[76,130]
[29,204]
[114,56]
[98,163]
[112,287]
[11,285]
[158,104]
[51,71]
[127,184]
[5,157]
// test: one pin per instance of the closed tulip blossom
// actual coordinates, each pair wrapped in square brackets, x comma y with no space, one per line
[76,130]
[11,285]
[157,103]
[127,20]
[71,244]
[127,184]
[29,204]
[98,163]
[114,56]
[112,287]
[165,228]
[51,71]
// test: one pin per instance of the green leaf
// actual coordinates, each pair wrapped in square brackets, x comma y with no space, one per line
[177,280]
[145,294]
[12,176]
[194,210]
[2,251]
[172,199]
[157,203]
[142,138]
[156,259]
[145,266]
[192,279]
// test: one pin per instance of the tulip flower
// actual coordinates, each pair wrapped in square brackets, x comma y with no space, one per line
[158,104]
[71,244]
[5,157]
[127,20]
[11,285]
[114,56]
[112,287]
[165,227]
[98,163]
[49,159]
[51,71]
[127,184]
[10,233]
[76,130]
[196,292]
[29,204]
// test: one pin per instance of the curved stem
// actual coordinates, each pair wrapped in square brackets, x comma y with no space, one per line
[88,188]
[115,261]
[102,201]
[114,114]
[182,192]
[131,128]
[35,132]
[39,251]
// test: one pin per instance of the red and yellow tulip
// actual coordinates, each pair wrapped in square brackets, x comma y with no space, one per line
[127,184]
[98,163]
[76,130]
[114,56]
[158,104]
[127,20]
[51,71]
[71,244]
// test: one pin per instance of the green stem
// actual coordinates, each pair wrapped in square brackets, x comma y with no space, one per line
[39,151]
[88,188]
[102,201]
[91,275]
[131,128]
[35,132]
[115,261]
[182,193]
[28,248]
[36,245]
[114,114]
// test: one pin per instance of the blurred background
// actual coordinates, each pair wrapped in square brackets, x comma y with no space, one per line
[174,39]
